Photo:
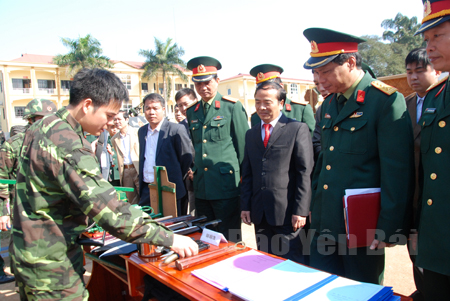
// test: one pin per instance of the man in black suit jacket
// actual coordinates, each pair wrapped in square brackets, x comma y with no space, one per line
[162,143]
[276,186]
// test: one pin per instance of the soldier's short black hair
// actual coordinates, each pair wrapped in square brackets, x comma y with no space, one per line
[418,55]
[183,92]
[125,114]
[343,57]
[154,97]
[102,86]
[267,85]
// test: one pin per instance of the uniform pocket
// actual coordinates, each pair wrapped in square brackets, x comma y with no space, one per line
[196,132]
[325,125]
[229,177]
[219,129]
[354,136]
[426,122]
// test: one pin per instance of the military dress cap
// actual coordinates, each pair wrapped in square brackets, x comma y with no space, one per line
[39,107]
[203,68]
[435,12]
[265,72]
[327,44]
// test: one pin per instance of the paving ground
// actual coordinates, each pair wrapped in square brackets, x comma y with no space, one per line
[398,273]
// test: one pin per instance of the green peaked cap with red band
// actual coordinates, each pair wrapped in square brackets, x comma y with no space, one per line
[265,72]
[435,12]
[327,44]
[203,68]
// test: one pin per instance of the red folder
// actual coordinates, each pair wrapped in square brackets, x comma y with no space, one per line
[361,217]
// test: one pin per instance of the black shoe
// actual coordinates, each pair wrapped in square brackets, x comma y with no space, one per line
[7,278]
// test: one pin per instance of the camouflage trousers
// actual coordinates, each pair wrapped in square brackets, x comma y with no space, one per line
[78,292]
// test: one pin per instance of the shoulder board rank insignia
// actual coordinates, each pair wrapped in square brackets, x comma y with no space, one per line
[437,84]
[196,108]
[288,107]
[299,102]
[232,99]
[360,96]
[192,104]
[328,116]
[386,89]
[217,104]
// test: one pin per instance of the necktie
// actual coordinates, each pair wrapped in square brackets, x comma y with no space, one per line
[206,108]
[341,102]
[267,134]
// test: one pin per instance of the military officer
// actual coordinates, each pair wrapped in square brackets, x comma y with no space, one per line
[59,184]
[295,109]
[366,142]
[433,245]
[217,125]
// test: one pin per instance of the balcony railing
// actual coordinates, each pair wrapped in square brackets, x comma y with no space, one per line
[22,90]
[46,91]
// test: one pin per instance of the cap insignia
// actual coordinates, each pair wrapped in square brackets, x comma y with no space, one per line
[260,76]
[49,108]
[426,8]
[314,47]
[201,68]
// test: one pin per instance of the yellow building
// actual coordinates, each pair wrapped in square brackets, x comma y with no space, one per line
[36,76]
[243,87]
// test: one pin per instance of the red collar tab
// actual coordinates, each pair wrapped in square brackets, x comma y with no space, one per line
[360,97]
[217,104]
[288,107]
[204,70]
[196,108]
[442,89]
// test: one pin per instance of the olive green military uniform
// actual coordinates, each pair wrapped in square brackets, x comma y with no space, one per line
[300,111]
[367,144]
[59,185]
[433,245]
[218,140]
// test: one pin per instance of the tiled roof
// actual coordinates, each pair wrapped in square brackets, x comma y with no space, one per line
[34,58]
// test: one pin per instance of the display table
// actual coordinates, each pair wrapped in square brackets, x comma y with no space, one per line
[125,277]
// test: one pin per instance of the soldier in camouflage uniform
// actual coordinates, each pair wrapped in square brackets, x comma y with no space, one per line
[59,185]
[9,152]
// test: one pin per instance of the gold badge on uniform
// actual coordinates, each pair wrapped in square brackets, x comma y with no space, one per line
[201,69]
[426,8]
[356,115]
[314,47]
[260,76]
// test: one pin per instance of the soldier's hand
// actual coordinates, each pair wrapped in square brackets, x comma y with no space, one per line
[298,221]
[184,246]
[191,175]
[110,151]
[376,245]
[245,215]
[5,223]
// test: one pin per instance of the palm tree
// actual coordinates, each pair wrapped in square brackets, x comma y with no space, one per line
[84,53]
[166,58]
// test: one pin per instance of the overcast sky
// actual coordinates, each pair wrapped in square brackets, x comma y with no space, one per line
[239,33]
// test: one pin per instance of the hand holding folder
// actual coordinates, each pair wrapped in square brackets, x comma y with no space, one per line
[361,211]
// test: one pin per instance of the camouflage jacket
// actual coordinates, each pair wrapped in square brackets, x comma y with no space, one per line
[58,185]
[9,152]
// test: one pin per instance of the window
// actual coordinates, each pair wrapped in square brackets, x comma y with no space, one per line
[126,80]
[144,87]
[192,86]
[161,88]
[294,89]
[185,85]
[66,84]
[21,85]
[229,91]
[178,87]
[46,86]
[19,111]
[126,106]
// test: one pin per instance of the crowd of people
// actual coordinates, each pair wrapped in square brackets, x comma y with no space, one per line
[286,174]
